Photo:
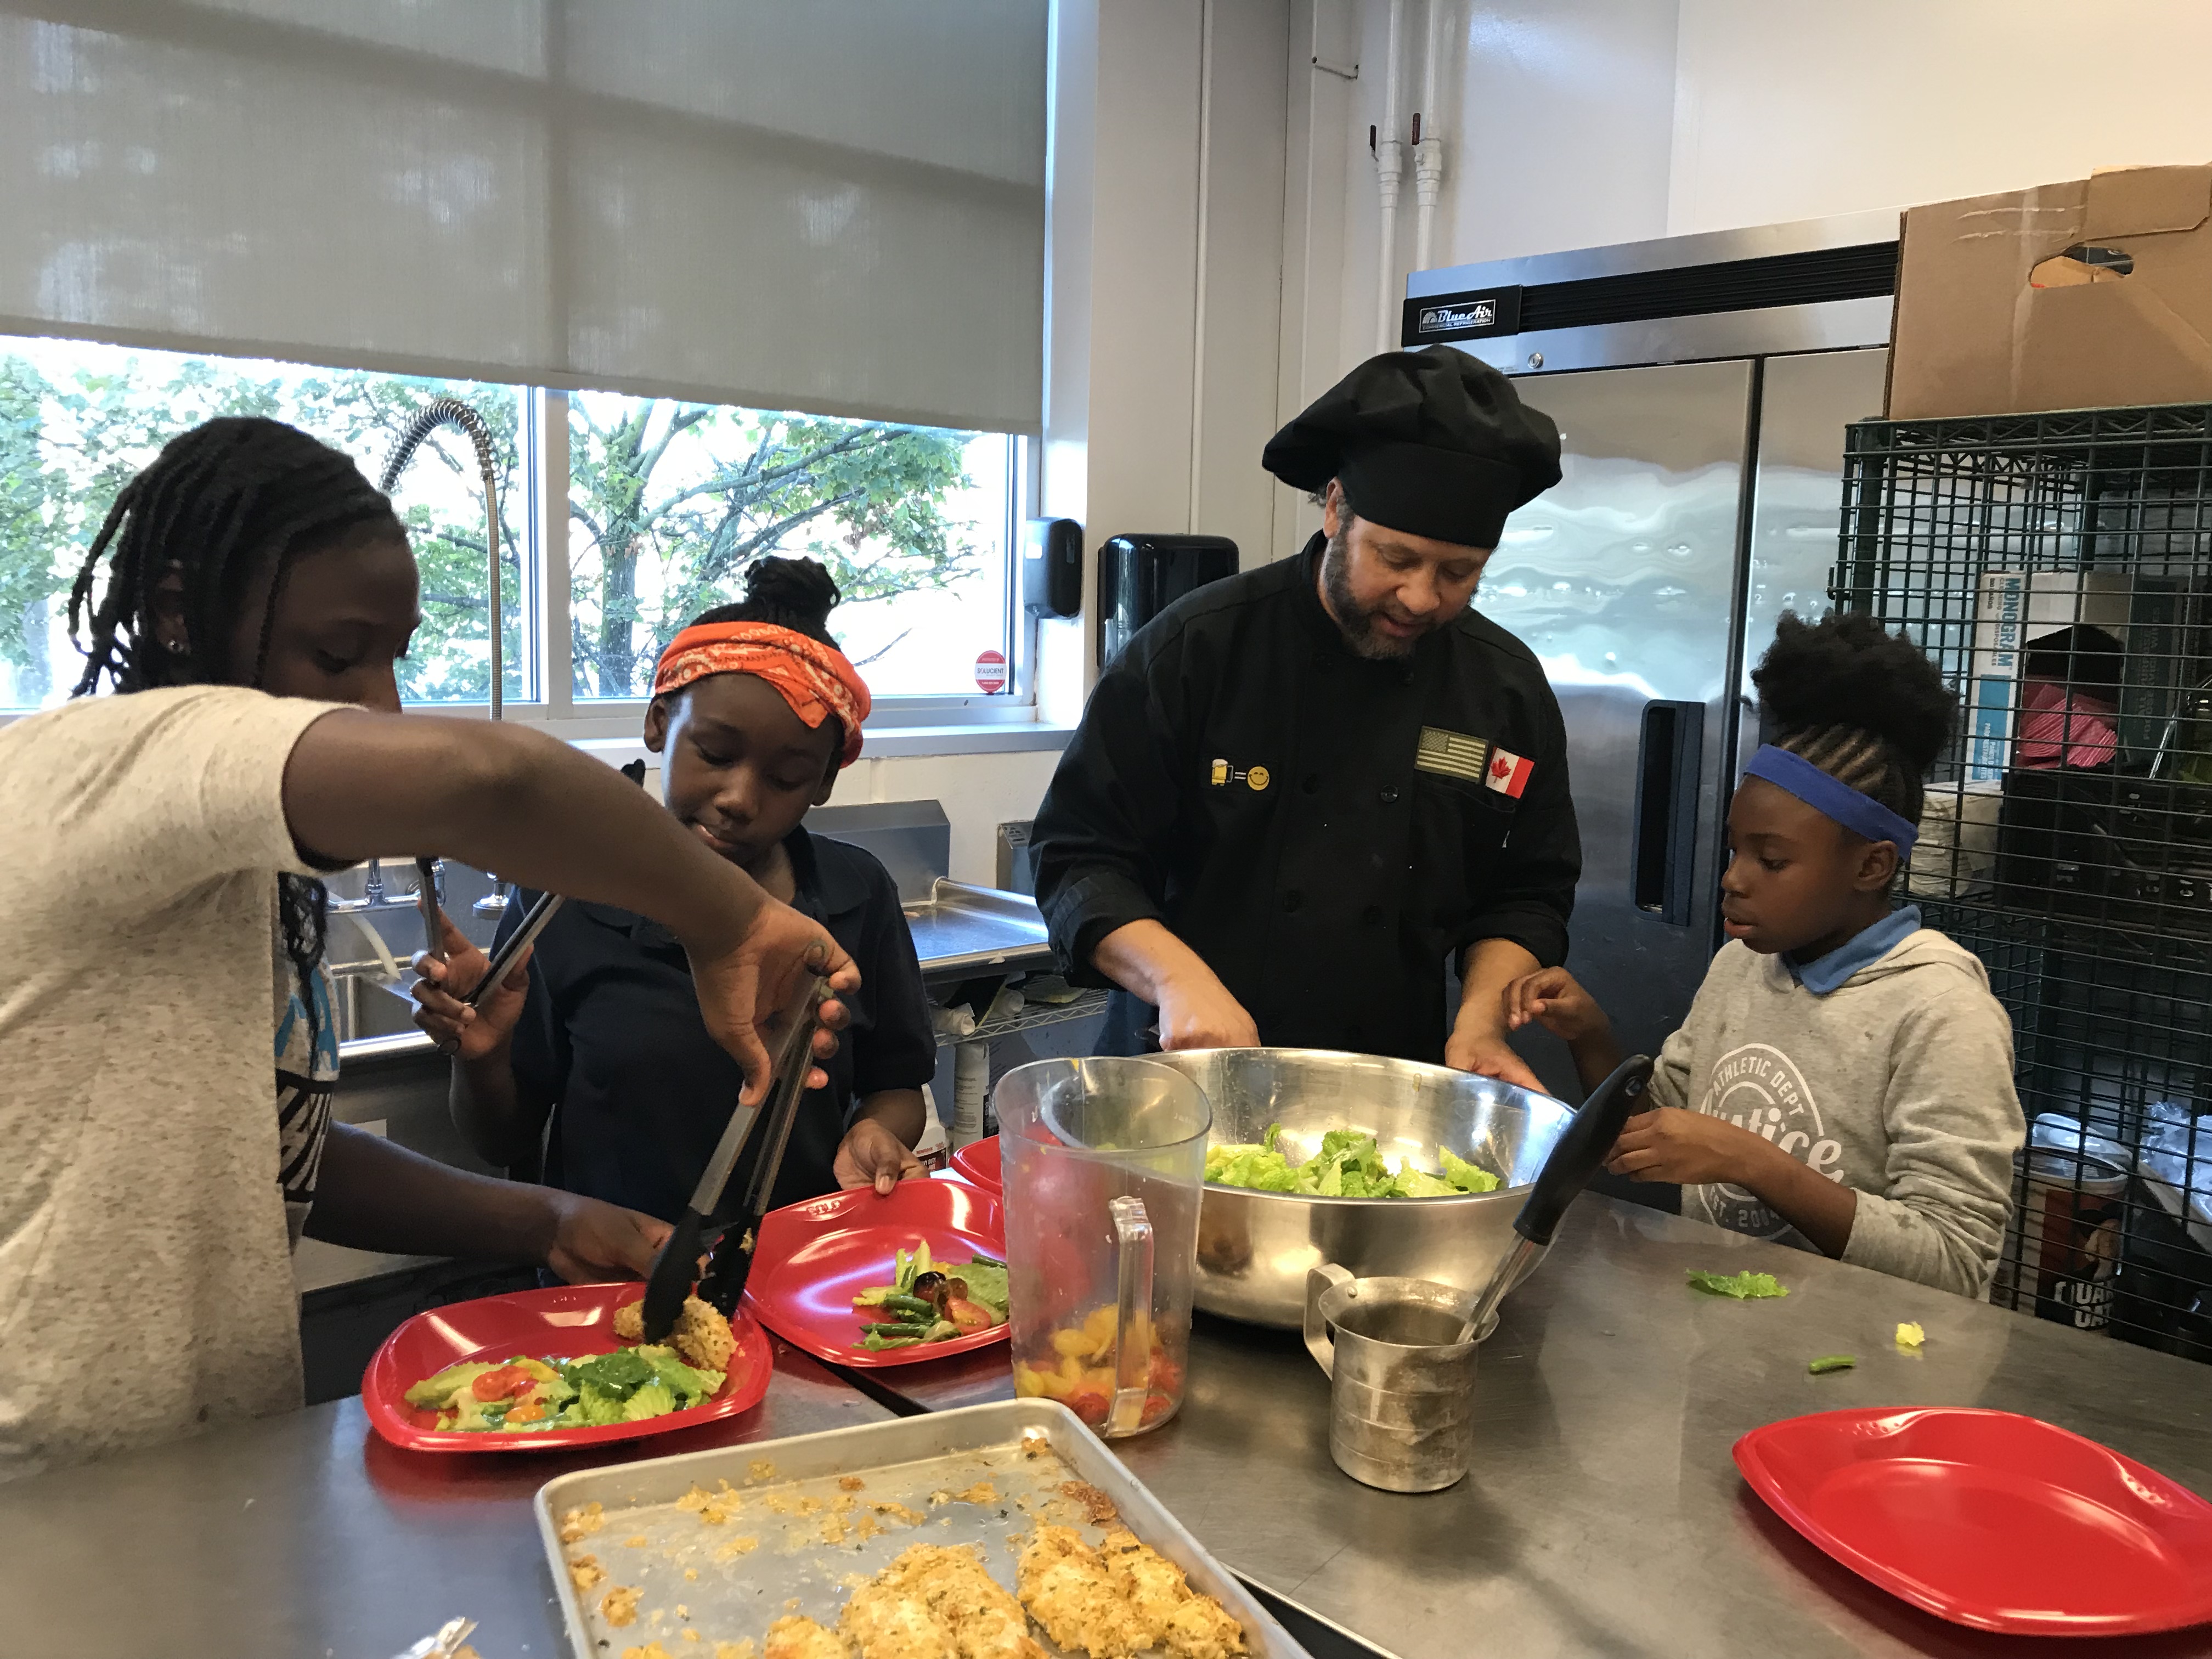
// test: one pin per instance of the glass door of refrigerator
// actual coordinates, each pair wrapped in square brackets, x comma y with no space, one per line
[1624,581]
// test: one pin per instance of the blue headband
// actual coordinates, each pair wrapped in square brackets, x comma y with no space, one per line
[1832,797]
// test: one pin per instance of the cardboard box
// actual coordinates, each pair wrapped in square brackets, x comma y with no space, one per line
[2094,294]
[2013,610]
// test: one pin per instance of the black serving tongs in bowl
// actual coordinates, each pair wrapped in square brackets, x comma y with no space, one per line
[1575,1156]
[723,1284]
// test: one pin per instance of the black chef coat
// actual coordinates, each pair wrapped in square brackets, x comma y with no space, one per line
[1316,826]
[613,1037]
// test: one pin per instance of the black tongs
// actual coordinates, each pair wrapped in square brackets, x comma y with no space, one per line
[723,1283]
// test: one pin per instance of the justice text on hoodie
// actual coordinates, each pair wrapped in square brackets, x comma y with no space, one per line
[1898,1084]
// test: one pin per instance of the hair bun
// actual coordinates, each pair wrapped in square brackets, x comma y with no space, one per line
[1846,670]
[793,593]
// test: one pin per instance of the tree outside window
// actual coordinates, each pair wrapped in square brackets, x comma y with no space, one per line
[669,502]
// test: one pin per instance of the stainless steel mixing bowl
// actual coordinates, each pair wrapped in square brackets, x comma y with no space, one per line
[1254,1248]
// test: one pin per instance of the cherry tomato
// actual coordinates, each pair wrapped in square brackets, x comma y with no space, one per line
[1088,1404]
[1165,1375]
[502,1382]
[1157,1405]
[967,1314]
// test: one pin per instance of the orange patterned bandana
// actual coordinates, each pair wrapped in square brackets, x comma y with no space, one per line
[814,679]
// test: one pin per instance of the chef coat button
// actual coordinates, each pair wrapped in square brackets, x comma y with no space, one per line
[1292,899]
[1389,794]
[1372,914]
[1311,784]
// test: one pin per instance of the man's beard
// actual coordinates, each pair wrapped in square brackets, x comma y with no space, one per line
[1353,621]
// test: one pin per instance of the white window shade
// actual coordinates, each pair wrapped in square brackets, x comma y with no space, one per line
[836,205]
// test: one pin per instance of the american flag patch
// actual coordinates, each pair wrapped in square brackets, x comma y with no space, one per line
[1451,754]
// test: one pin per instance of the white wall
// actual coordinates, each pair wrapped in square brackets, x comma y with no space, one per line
[1792,109]
[1578,122]
[1164,281]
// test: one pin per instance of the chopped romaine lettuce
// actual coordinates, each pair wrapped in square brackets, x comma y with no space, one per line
[1466,1176]
[1350,1164]
[1743,1286]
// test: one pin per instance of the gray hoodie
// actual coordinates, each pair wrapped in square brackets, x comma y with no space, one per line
[1898,1084]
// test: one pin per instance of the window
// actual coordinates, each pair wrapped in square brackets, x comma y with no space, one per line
[669,502]
[666,502]
[77,420]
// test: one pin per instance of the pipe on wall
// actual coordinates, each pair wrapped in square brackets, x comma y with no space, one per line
[1389,176]
[1428,146]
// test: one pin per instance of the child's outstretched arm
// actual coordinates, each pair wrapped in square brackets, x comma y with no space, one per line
[1553,999]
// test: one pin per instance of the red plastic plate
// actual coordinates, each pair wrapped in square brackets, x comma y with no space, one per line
[1991,1520]
[568,1321]
[814,1257]
[977,1164]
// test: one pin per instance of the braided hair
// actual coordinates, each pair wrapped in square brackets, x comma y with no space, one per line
[218,506]
[1868,708]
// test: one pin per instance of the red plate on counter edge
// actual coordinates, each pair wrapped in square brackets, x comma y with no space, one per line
[977,1164]
[1989,1519]
[812,1258]
[569,1321]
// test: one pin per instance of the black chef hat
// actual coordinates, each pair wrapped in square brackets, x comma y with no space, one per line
[1431,443]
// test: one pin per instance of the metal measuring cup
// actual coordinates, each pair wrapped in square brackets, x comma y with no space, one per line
[1402,1391]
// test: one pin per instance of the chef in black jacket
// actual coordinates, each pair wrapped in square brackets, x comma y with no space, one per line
[1302,791]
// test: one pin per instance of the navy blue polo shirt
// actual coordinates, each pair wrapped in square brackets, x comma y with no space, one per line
[611,1035]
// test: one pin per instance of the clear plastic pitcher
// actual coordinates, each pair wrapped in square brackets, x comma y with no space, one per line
[1105,1162]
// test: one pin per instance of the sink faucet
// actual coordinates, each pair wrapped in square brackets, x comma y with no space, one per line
[452,411]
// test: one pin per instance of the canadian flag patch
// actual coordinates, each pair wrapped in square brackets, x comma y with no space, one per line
[1507,773]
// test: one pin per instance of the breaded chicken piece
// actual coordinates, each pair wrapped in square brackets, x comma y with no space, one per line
[937,1602]
[1171,1615]
[1069,1589]
[701,1336]
[792,1637]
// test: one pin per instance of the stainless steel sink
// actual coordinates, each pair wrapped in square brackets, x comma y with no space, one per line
[959,928]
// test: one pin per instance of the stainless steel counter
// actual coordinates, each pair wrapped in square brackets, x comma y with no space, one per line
[1604,1516]
[307,1537]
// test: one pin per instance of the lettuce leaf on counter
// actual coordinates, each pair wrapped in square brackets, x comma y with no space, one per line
[1744,1286]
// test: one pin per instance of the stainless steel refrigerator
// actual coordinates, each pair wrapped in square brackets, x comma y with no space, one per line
[1701,385]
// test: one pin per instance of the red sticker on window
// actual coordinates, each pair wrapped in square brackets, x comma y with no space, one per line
[991,672]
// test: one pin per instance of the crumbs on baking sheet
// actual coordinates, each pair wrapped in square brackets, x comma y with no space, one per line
[899,1512]
[585,1571]
[760,1469]
[1095,1503]
[636,1543]
[982,1492]
[787,1503]
[618,1607]
[734,1649]
[581,1524]
[691,1572]
[736,1547]
[712,1507]
[650,1651]
[1035,1443]
[850,1483]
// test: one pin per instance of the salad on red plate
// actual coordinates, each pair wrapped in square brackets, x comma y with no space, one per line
[932,1301]
[526,1394]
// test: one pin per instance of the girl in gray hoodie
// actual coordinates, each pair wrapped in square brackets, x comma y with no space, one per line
[1843,1082]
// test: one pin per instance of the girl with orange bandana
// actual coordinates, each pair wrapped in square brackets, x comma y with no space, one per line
[591,1065]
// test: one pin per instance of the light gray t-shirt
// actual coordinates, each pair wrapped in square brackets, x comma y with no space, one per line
[145,1271]
[1898,1084]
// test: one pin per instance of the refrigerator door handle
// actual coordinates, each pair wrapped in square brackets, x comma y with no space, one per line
[1669,766]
